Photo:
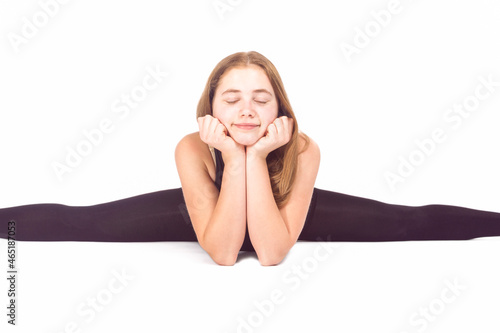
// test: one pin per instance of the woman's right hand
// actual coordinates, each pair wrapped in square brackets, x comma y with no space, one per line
[215,134]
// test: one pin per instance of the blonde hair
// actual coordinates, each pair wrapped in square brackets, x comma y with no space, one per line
[282,162]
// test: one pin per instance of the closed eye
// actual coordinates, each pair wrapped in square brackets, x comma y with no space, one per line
[237,100]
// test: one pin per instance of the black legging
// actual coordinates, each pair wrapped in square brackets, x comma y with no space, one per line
[162,216]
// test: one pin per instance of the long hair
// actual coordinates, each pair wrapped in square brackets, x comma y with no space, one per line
[282,162]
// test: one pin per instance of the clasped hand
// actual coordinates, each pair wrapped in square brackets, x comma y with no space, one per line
[278,133]
[215,134]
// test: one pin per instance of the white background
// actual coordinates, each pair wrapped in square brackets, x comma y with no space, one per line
[364,113]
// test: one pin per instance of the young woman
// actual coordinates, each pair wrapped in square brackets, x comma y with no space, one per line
[247,183]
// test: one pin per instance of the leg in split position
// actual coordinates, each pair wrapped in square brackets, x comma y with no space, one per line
[340,217]
[162,216]
[156,216]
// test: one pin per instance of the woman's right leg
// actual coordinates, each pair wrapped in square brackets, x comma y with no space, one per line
[156,216]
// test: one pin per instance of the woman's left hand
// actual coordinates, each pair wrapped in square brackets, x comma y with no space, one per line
[278,133]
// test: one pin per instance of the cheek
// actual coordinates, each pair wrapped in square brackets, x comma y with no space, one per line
[269,115]
[219,113]
[223,118]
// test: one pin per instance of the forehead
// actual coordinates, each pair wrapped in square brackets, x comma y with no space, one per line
[246,78]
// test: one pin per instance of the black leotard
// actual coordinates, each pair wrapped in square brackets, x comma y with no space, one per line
[162,216]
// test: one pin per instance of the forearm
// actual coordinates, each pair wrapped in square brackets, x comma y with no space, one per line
[266,227]
[225,232]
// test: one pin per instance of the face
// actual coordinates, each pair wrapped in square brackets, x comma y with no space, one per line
[245,103]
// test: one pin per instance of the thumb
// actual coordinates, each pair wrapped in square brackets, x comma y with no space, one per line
[221,130]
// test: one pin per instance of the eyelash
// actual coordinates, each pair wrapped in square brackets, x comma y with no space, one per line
[233,102]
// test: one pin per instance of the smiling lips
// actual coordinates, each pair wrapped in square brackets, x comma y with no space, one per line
[246,126]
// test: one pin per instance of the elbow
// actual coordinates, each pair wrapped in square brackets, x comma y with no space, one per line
[224,259]
[270,259]
[272,254]
[221,255]
[266,262]
[227,261]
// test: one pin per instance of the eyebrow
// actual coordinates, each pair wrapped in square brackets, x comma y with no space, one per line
[239,91]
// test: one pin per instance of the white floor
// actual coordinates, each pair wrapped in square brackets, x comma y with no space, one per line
[438,286]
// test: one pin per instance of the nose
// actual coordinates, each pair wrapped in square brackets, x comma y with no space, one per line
[247,109]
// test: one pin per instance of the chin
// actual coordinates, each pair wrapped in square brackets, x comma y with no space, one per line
[245,140]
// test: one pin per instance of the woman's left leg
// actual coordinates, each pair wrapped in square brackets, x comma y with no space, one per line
[341,217]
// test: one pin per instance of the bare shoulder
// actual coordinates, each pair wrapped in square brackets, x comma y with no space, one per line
[190,146]
[190,141]
[191,151]
[308,150]
[308,162]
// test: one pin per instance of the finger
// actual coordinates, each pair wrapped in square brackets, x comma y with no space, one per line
[201,126]
[206,127]
[220,131]
[201,120]
[286,128]
[226,131]
[279,124]
[272,130]
[209,126]
[212,126]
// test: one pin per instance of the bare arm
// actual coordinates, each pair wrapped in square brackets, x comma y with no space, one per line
[267,230]
[219,219]
[225,231]
[274,231]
